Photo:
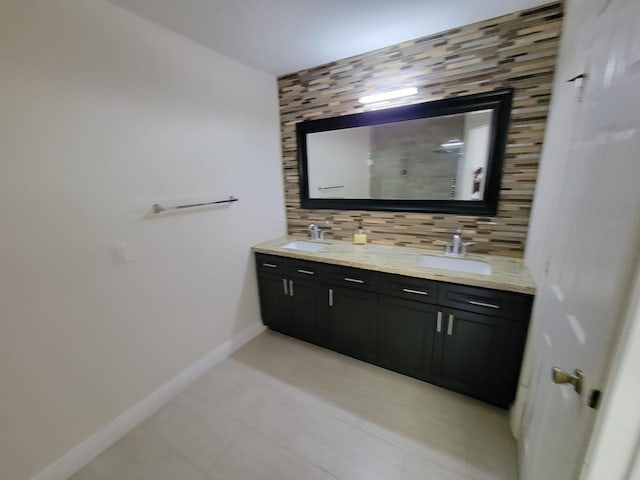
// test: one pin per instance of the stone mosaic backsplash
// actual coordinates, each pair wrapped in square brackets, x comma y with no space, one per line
[518,50]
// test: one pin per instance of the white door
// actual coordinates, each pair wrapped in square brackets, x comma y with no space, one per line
[593,236]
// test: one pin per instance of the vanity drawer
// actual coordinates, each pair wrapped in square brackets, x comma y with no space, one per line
[303,269]
[269,263]
[352,277]
[496,303]
[409,288]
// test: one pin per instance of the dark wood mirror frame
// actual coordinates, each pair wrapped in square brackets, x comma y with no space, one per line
[499,101]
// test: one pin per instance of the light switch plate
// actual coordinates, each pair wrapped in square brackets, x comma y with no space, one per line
[120,254]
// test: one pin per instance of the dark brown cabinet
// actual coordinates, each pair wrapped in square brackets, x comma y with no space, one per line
[407,336]
[474,348]
[469,353]
[352,323]
[274,302]
[290,303]
[352,312]
[305,310]
[408,324]
[467,339]
[482,354]
[463,351]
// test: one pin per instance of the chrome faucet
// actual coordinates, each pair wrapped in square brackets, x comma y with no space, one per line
[315,233]
[455,248]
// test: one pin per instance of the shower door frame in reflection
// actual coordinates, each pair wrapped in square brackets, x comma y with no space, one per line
[499,102]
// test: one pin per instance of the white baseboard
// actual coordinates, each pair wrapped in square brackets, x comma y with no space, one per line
[79,456]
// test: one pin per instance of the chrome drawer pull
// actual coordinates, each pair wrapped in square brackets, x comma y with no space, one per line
[307,272]
[331,297]
[417,292]
[284,282]
[439,323]
[270,265]
[291,287]
[481,304]
[354,280]
[450,325]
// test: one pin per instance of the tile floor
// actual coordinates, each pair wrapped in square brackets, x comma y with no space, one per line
[281,409]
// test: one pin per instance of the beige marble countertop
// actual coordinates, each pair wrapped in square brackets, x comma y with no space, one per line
[508,274]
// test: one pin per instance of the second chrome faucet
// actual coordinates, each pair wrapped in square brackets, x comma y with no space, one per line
[455,248]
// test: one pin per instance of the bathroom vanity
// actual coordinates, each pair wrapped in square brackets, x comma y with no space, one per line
[380,304]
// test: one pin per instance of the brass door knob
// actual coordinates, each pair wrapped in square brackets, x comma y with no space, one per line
[560,377]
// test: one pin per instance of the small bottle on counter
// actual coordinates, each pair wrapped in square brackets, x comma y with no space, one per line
[359,238]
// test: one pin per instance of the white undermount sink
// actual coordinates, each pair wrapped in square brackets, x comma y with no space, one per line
[304,246]
[455,264]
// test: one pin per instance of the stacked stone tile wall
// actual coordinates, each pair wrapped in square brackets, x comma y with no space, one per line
[518,50]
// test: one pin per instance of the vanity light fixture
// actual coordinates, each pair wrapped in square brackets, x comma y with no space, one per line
[380,97]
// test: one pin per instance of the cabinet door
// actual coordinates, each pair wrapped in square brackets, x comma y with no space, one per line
[274,302]
[307,302]
[407,332]
[470,353]
[352,323]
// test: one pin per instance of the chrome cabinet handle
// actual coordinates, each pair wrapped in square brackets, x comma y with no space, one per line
[354,280]
[291,287]
[270,265]
[450,325]
[331,297]
[482,304]
[307,272]
[439,323]
[284,282]
[417,292]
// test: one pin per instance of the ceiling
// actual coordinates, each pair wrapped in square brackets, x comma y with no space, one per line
[284,36]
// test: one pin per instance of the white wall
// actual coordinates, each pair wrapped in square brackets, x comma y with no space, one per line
[101,115]
[339,158]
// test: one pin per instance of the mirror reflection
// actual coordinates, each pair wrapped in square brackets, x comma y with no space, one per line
[436,158]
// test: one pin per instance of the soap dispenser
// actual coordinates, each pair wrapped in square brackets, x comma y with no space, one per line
[359,238]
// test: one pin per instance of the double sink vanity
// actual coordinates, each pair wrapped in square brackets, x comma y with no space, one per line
[460,323]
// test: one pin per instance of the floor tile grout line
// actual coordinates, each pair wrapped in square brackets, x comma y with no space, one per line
[283,446]
[227,449]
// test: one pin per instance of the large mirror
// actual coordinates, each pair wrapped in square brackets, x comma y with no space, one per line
[443,156]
